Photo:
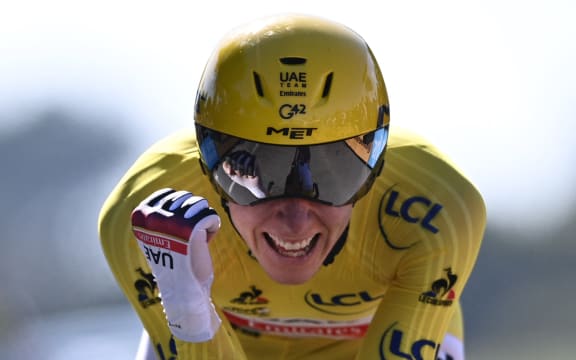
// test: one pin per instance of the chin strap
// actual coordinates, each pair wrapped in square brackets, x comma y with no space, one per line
[336,249]
[224,204]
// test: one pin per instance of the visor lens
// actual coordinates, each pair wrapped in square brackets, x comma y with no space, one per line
[247,172]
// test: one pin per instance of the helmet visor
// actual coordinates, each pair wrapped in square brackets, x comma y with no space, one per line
[335,173]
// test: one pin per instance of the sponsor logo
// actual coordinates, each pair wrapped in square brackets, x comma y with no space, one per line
[293,83]
[441,292]
[292,93]
[393,346]
[341,304]
[259,311]
[408,209]
[174,325]
[292,133]
[153,246]
[288,111]
[290,327]
[151,239]
[249,315]
[168,352]
[293,80]
[416,210]
[147,289]
[249,303]
[250,297]
[159,257]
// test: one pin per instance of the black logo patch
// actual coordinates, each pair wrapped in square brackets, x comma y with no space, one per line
[147,289]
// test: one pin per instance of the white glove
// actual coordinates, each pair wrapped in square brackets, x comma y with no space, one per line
[173,229]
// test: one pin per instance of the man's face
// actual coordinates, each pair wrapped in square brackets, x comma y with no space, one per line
[290,238]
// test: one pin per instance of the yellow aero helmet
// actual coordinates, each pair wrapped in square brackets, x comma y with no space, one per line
[292,80]
[292,106]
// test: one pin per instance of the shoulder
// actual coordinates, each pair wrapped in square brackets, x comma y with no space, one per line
[412,147]
[418,175]
[422,197]
[171,162]
[415,163]
[423,214]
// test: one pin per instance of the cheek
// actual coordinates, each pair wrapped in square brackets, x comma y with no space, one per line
[237,219]
[339,217]
[243,220]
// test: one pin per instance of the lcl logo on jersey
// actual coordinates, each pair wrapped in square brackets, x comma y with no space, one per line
[341,304]
[415,209]
[393,346]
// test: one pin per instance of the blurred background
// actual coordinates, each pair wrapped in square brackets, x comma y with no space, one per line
[85,86]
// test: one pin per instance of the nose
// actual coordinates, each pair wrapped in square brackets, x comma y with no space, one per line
[295,213]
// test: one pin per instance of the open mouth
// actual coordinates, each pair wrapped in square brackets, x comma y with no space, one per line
[292,249]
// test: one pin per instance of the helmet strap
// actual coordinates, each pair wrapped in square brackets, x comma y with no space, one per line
[337,247]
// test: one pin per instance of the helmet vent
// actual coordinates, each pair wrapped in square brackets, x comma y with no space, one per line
[290,60]
[327,85]
[258,84]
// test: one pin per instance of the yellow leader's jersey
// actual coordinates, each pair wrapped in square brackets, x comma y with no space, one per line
[390,292]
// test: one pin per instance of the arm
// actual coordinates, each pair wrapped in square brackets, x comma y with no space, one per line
[434,220]
[430,276]
[411,324]
[154,170]
[452,347]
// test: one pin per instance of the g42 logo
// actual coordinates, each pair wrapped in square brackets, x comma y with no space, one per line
[392,346]
[288,111]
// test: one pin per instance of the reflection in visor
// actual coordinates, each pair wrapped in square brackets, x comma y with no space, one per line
[337,173]
[299,181]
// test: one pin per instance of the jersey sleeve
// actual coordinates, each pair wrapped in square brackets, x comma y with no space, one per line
[172,162]
[434,220]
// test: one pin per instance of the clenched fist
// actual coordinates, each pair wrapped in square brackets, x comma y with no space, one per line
[173,229]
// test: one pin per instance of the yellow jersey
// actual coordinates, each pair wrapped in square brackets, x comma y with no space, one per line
[391,291]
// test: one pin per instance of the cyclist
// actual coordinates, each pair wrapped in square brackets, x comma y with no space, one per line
[294,222]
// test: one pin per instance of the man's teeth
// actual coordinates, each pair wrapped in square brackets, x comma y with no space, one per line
[291,246]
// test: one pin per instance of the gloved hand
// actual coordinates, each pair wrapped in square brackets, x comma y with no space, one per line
[241,167]
[173,229]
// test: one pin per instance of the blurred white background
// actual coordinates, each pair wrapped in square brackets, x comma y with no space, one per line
[85,86]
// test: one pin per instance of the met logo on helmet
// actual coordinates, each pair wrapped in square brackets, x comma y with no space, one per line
[292,133]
